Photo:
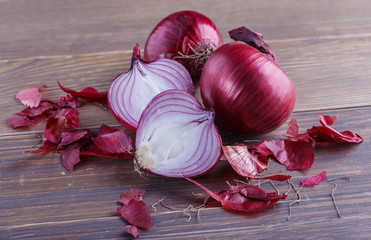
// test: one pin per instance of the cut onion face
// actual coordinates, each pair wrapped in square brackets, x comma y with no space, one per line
[130,93]
[176,137]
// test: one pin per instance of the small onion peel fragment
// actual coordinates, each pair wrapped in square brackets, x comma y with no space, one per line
[326,133]
[247,160]
[315,179]
[247,198]
[134,210]
[31,97]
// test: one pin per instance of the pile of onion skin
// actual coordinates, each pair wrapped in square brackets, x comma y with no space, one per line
[243,89]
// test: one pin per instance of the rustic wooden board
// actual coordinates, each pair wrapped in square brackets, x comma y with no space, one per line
[38,194]
[41,199]
[325,48]
[32,28]
[328,74]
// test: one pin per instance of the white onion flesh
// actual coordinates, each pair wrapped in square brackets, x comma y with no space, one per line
[176,137]
[130,93]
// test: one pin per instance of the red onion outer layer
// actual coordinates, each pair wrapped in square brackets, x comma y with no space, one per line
[130,93]
[176,137]
[249,93]
[179,34]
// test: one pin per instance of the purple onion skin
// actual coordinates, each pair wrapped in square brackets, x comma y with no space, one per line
[254,39]
[176,32]
[249,92]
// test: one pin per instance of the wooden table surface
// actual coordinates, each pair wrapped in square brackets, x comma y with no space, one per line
[325,46]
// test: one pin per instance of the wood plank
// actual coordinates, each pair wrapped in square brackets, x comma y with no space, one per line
[40,200]
[328,73]
[50,27]
[76,72]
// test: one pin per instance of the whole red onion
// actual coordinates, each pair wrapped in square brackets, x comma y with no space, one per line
[247,89]
[186,36]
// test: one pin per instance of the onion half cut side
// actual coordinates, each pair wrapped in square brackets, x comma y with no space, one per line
[130,92]
[176,136]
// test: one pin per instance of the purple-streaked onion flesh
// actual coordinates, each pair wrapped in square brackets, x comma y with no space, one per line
[176,136]
[130,92]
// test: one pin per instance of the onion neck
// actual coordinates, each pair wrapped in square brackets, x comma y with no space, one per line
[135,58]
[136,55]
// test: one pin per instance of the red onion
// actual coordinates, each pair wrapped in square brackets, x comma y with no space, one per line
[176,137]
[186,36]
[248,91]
[130,93]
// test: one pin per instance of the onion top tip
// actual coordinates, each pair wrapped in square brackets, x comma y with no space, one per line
[136,53]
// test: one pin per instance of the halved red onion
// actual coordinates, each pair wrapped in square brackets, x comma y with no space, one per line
[130,93]
[176,137]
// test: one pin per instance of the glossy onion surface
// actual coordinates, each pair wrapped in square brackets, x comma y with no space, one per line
[176,137]
[249,93]
[130,92]
[176,33]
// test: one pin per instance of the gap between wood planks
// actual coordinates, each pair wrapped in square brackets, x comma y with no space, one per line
[322,38]
[56,222]
[332,109]
[125,52]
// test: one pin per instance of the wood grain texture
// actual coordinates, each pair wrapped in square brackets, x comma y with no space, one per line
[324,47]
[75,72]
[40,199]
[42,27]
[328,74]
